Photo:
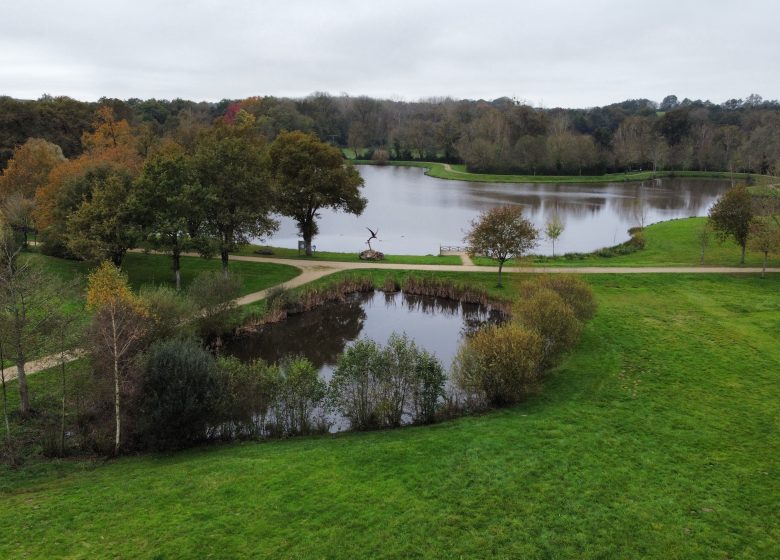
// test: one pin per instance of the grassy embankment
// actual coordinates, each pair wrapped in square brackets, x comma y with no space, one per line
[671,243]
[283,253]
[458,172]
[154,270]
[656,438]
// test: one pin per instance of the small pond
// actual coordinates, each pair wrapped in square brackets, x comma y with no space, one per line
[321,335]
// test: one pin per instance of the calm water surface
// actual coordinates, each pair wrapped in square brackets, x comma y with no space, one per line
[321,335]
[415,213]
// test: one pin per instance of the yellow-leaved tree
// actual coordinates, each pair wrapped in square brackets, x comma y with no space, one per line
[117,330]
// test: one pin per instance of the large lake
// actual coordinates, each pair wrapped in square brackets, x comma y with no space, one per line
[415,214]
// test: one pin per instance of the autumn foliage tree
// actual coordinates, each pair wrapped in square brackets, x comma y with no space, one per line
[501,233]
[310,175]
[117,330]
[29,168]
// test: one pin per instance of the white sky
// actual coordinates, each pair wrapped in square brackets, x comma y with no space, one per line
[546,52]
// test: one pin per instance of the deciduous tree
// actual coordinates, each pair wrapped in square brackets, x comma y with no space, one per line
[169,199]
[764,236]
[310,175]
[231,166]
[501,233]
[117,330]
[731,216]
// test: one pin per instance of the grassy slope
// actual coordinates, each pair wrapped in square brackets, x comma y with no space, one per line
[671,243]
[283,253]
[147,269]
[459,173]
[658,438]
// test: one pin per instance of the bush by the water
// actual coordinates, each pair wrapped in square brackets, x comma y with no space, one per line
[377,387]
[214,295]
[297,408]
[574,291]
[499,365]
[545,313]
[178,394]
[247,394]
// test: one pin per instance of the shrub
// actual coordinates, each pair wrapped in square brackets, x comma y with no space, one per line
[247,394]
[300,397]
[499,365]
[427,388]
[354,387]
[377,387]
[214,295]
[170,313]
[178,394]
[545,313]
[573,291]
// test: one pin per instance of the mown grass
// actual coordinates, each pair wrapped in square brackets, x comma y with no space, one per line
[284,253]
[656,438]
[670,243]
[146,269]
[459,173]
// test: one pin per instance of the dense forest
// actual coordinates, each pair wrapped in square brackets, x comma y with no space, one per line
[502,135]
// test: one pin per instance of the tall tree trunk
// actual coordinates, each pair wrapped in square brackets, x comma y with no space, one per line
[5,399]
[742,259]
[21,375]
[307,230]
[763,270]
[117,418]
[225,256]
[177,267]
[500,268]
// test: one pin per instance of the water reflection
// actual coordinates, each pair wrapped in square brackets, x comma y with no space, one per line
[416,213]
[436,324]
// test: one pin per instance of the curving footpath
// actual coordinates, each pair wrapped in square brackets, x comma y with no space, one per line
[313,270]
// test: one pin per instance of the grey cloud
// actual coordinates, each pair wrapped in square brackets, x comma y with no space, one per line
[568,53]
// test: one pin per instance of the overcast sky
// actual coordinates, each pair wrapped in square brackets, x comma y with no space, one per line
[546,52]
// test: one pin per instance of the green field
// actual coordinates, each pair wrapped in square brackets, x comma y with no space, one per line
[457,172]
[283,253]
[146,269]
[657,438]
[671,243]
[154,270]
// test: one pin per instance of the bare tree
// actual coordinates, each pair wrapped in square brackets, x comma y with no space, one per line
[5,396]
[553,229]
[28,300]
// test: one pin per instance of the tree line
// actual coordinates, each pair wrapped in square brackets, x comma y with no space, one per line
[502,135]
[205,190]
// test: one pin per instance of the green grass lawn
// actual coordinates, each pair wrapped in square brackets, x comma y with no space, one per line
[283,253]
[657,438]
[459,173]
[671,243]
[149,269]
[156,270]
